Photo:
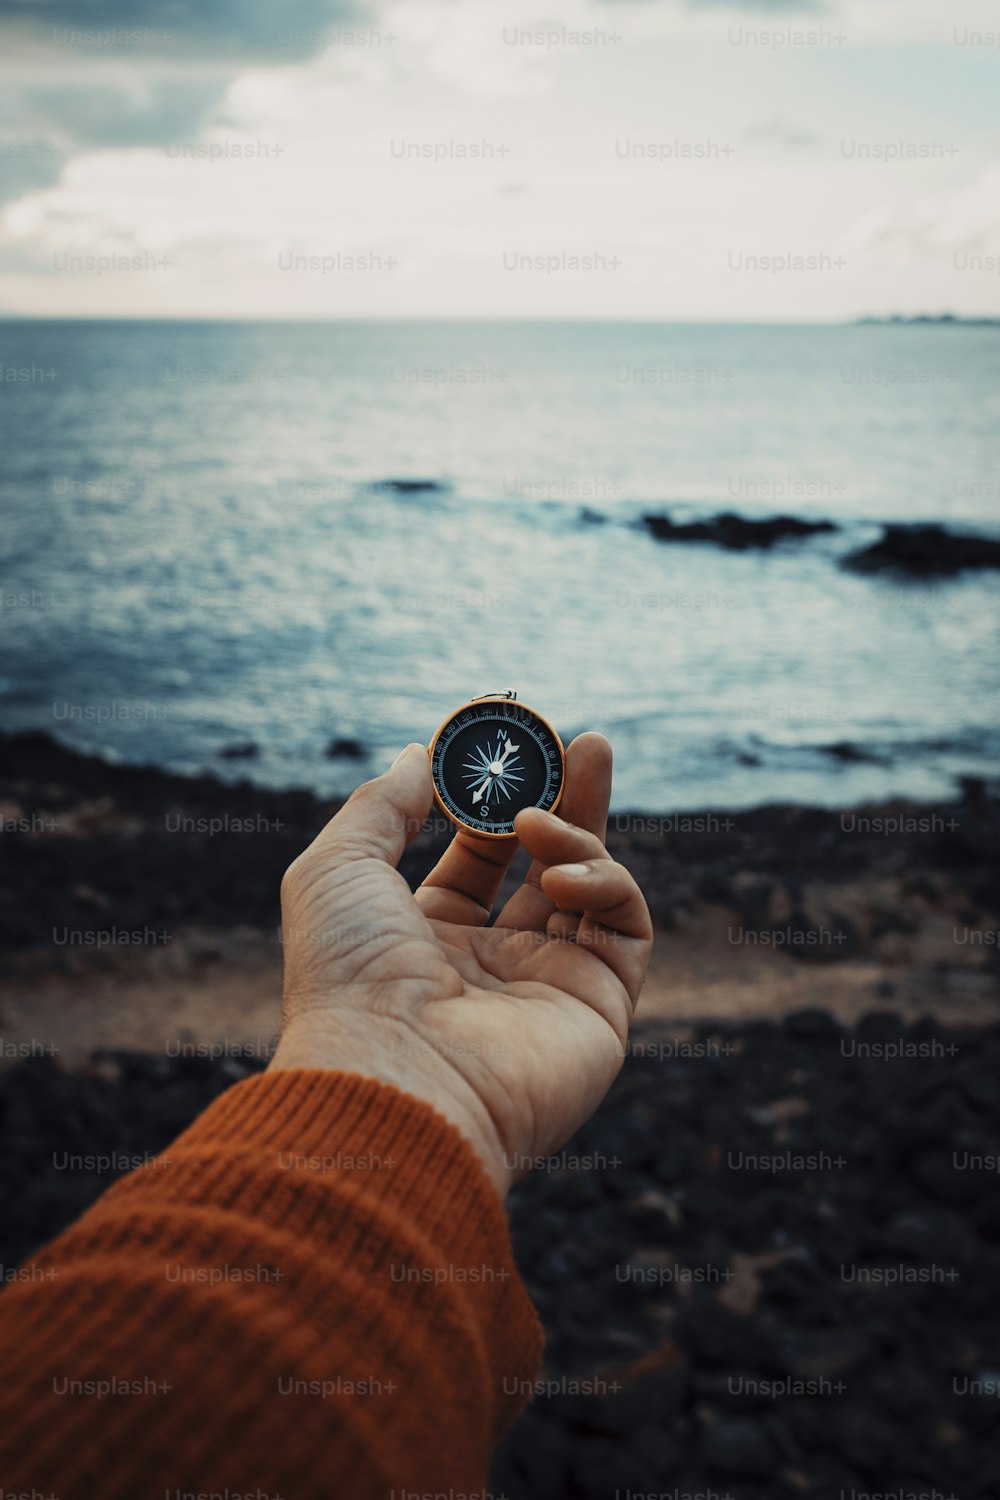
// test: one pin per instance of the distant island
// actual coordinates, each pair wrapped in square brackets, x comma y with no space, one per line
[922,319]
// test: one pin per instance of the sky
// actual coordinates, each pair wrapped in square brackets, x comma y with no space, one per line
[614,159]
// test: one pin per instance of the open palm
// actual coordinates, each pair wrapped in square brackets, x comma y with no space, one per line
[513,1031]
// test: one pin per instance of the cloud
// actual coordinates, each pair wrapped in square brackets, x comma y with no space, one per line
[43,126]
[28,162]
[81,76]
[202,30]
[132,110]
[935,225]
[93,132]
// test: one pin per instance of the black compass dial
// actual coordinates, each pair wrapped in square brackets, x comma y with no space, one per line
[493,758]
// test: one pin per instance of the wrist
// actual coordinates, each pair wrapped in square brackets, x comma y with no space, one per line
[389,1050]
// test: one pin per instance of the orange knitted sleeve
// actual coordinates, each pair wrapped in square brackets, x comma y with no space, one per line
[310,1294]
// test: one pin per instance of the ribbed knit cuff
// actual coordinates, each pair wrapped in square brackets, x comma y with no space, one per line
[318,1120]
[387,1266]
[409,1163]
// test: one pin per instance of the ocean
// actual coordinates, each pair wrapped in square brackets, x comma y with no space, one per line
[217,534]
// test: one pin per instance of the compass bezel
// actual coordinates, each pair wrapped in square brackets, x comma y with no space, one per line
[509,701]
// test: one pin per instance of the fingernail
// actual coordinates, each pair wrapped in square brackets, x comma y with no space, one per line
[574,870]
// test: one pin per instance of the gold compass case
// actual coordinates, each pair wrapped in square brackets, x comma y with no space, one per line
[492,758]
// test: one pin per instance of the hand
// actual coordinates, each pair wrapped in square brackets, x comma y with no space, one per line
[514,1032]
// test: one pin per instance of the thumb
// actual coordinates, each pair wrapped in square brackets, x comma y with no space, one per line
[379,819]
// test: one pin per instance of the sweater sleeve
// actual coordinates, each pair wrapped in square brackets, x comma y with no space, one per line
[311,1293]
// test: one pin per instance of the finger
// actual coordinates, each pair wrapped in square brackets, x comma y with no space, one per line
[551,841]
[615,925]
[463,885]
[564,924]
[584,804]
[603,891]
[382,816]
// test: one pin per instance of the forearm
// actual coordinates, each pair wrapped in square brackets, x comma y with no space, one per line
[311,1291]
[386,1049]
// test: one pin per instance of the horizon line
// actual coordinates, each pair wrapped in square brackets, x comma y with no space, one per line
[901,319]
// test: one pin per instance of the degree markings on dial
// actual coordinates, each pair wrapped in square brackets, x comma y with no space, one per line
[495,763]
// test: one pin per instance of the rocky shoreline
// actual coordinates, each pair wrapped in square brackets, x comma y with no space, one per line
[94,841]
[140,889]
[766,1267]
[786,1283]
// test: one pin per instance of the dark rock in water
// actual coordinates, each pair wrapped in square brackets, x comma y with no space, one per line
[346,748]
[592,517]
[246,750]
[411,486]
[734,532]
[846,751]
[738,1445]
[924,552]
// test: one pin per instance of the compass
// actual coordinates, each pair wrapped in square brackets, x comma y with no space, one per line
[491,759]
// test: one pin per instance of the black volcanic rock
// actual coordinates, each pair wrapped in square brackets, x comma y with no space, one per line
[757,863]
[153,856]
[874,1281]
[411,486]
[733,532]
[845,750]
[738,1445]
[244,750]
[924,552]
[346,748]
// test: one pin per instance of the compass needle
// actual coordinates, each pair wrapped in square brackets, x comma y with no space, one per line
[492,758]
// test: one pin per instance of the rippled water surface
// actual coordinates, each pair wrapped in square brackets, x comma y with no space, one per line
[199,547]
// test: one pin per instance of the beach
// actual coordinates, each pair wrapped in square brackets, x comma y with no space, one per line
[145,908]
[787,1190]
[246,564]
